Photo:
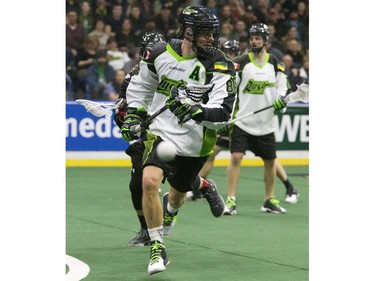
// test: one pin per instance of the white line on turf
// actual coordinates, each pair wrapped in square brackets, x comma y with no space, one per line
[77,269]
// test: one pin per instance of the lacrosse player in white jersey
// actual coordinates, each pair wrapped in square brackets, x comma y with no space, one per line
[261,82]
[197,84]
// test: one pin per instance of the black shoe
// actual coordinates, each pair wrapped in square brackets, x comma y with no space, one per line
[142,239]
[272,205]
[214,199]
[158,258]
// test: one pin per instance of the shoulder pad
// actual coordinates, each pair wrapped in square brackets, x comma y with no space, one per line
[154,52]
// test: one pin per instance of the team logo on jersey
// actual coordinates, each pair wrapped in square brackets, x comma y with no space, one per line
[257,87]
[221,65]
[166,84]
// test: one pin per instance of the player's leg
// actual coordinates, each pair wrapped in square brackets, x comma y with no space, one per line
[204,172]
[135,151]
[291,192]
[265,147]
[152,209]
[238,145]
[269,177]
[154,172]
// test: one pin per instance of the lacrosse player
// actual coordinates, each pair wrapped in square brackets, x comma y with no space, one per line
[197,84]
[136,149]
[261,82]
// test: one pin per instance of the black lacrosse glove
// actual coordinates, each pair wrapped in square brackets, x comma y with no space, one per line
[176,102]
[131,129]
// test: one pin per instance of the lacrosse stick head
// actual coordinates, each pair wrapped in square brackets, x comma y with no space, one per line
[302,94]
[97,109]
[193,94]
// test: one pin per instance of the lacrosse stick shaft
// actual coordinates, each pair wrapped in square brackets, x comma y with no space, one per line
[249,114]
[145,123]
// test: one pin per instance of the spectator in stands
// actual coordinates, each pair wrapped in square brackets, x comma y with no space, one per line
[150,25]
[237,9]
[261,10]
[292,72]
[249,18]
[165,22]
[72,5]
[137,19]
[85,58]
[113,89]
[86,17]
[240,29]
[274,50]
[101,10]
[100,74]
[114,20]
[126,39]
[134,59]
[278,24]
[294,50]
[75,33]
[293,21]
[213,7]
[226,15]
[226,32]
[291,34]
[276,42]
[100,33]
[304,70]
[303,13]
[116,58]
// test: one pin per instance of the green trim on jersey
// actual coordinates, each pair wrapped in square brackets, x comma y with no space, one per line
[209,141]
[251,57]
[149,144]
[177,56]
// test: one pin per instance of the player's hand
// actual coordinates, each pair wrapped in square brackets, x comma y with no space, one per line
[176,102]
[279,104]
[131,124]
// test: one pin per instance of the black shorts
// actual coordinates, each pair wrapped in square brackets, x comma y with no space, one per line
[262,146]
[180,172]
[222,141]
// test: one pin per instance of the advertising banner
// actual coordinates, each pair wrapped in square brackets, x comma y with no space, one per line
[85,132]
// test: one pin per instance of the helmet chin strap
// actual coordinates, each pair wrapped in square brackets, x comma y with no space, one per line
[257,50]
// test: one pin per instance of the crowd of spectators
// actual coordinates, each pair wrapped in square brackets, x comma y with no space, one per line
[102,36]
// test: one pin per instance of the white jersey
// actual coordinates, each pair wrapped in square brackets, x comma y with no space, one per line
[258,86]
[163,68]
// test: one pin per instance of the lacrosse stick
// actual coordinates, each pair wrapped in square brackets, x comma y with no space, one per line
[301,94]
[96,108]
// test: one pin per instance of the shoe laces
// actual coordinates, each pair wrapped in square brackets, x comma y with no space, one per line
[156,250]
[231,202]
[168,218]
[275,202]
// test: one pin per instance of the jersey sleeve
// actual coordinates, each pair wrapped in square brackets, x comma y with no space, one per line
[221,99]
[142,86]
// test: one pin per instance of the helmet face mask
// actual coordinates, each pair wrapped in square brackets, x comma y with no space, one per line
[198,24]
[149,39]
[259,29]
